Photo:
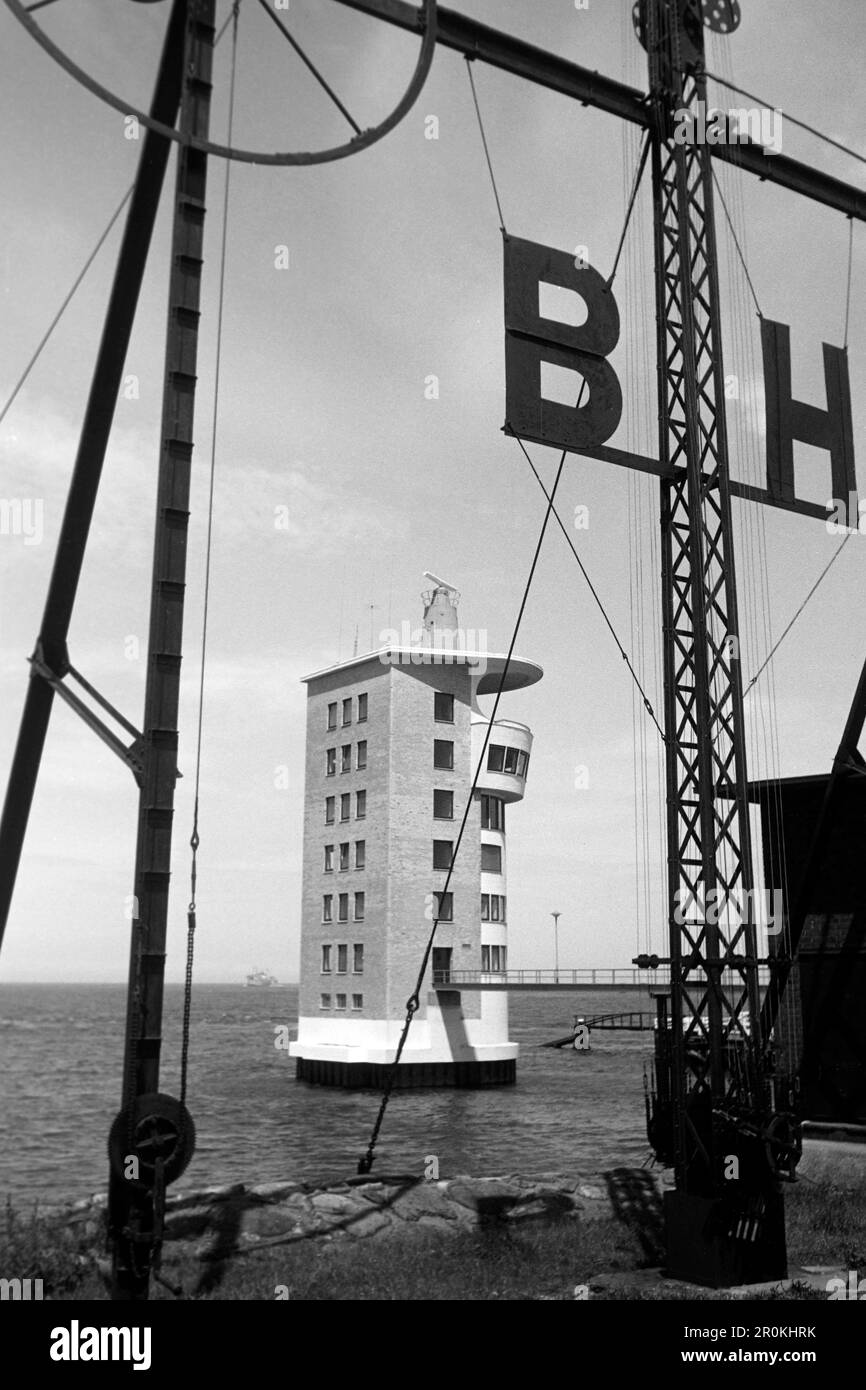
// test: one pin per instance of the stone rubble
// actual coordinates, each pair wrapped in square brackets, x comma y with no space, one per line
[215,1219]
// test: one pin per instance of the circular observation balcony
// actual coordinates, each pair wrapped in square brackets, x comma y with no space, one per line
[506,760]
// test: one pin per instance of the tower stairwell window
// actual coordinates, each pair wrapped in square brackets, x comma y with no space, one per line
[443,753]
[443,851]
[443,708]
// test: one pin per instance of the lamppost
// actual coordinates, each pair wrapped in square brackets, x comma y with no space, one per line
[556,916]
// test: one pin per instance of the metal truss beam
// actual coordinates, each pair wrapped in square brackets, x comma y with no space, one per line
[525,60]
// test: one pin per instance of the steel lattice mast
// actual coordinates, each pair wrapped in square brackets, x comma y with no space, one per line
[719,1079]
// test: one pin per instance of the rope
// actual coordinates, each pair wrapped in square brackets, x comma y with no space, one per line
[634,188]
[57,317]
[365,1163]
[793,119]
[194,838]
[312,67]
[737,242]
[623,653]
[848,289]
[776,646]
[469,62]
[88,263]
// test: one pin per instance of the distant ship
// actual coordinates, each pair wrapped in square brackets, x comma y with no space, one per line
[260,979]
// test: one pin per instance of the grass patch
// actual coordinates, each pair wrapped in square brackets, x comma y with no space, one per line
[530,1259]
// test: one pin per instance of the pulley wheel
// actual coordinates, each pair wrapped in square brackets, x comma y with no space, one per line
[722,16]
[154,1126]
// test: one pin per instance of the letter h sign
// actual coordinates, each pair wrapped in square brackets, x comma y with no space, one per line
[531,340]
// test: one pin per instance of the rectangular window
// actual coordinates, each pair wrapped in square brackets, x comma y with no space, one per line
[347,711]
[485,907]
[341,1001]
[441,962]
[345,805]
[357,960]
[494,908]
[362,755]
[491,859]
[330,761]
[485,958]
[343,908]
[511,760]
[346,758]
[443,805]
[329,859]
[357,1001]
[360,805]
[522,761]
[492,813]
[503,918]
[342,960]
[324,1001]
[443,851]
[330,809]
[444,903]
[332,716]
[360,854]
[359,907]
[326,960]
[344,855]
[495,755]
[443,753]
[362,708]
[327,907]
[443,708]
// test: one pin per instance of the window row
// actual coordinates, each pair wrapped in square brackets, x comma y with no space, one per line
[493,958]
[342,907]
[343,958]
[345,850]
[345,807]
[340,1005]
[347,711]
[492,907]
[346,758]
[502,759]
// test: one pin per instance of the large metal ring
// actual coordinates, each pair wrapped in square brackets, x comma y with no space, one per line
[359,142]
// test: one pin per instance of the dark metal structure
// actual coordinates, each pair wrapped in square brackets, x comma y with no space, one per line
[720,1111]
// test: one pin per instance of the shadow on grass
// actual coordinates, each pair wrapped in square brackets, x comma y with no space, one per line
[636,1202]
[227,1224]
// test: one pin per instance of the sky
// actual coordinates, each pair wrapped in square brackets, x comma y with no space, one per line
[325,416]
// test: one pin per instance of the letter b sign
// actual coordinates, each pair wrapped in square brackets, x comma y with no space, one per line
[531,340]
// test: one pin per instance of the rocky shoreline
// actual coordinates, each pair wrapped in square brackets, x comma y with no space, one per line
[206,1224]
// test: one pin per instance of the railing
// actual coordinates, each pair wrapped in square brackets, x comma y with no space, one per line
[551,977]
[519,979]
